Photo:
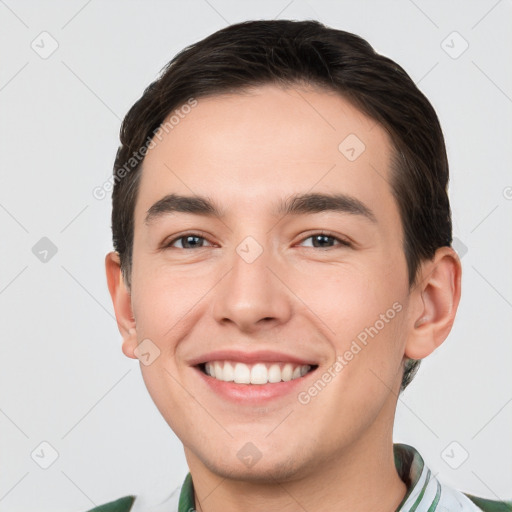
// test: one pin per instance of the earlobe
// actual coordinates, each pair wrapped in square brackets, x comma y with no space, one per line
[130,344]
[435,300]
[121,300]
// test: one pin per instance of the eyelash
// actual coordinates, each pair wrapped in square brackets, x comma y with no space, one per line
[342,242]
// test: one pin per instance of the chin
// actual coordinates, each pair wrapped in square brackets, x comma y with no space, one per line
[263,468]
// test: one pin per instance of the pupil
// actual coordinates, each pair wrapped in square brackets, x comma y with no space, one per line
[188,238]
[321,238]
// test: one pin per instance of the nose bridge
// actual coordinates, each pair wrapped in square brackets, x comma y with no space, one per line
[250,267]
[250,290]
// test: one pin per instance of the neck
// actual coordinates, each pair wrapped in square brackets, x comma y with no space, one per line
[362,477]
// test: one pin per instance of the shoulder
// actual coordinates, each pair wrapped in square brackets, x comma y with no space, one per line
[426,492]
[451,500]
[148,502]
[123,504]
[490,505]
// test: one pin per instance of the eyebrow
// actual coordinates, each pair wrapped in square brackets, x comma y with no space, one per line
[298,204]
[171,203]
[318,203]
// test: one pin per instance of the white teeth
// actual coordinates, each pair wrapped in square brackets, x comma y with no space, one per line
[229,373]
[259,373]
[274,373]
[242,374]
[287,372]
[218,370]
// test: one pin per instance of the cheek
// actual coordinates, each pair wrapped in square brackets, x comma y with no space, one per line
[371,357]
[170,398]
[347,298]
[363,316]
[164,300]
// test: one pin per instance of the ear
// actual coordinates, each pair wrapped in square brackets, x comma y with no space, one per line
[121,299]
[434,302]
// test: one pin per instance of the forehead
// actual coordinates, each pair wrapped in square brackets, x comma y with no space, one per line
[249,150]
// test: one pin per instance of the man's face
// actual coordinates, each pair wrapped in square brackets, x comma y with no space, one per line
[265,292]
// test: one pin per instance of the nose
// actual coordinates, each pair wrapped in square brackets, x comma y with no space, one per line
[252,295]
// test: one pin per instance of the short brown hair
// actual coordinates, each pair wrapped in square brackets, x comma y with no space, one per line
[285,52]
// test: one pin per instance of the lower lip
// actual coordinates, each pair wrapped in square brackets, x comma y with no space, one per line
[252,393]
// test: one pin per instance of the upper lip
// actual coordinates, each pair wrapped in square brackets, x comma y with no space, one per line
[244,356]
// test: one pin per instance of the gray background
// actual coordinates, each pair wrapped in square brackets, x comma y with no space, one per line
[64,379]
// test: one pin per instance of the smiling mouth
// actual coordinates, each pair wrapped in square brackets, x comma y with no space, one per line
[259,373]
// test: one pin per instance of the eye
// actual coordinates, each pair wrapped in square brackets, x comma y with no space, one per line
[196,241]
[188,241]
[322,241]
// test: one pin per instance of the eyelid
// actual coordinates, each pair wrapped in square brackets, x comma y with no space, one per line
[344,241]
[167,243]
